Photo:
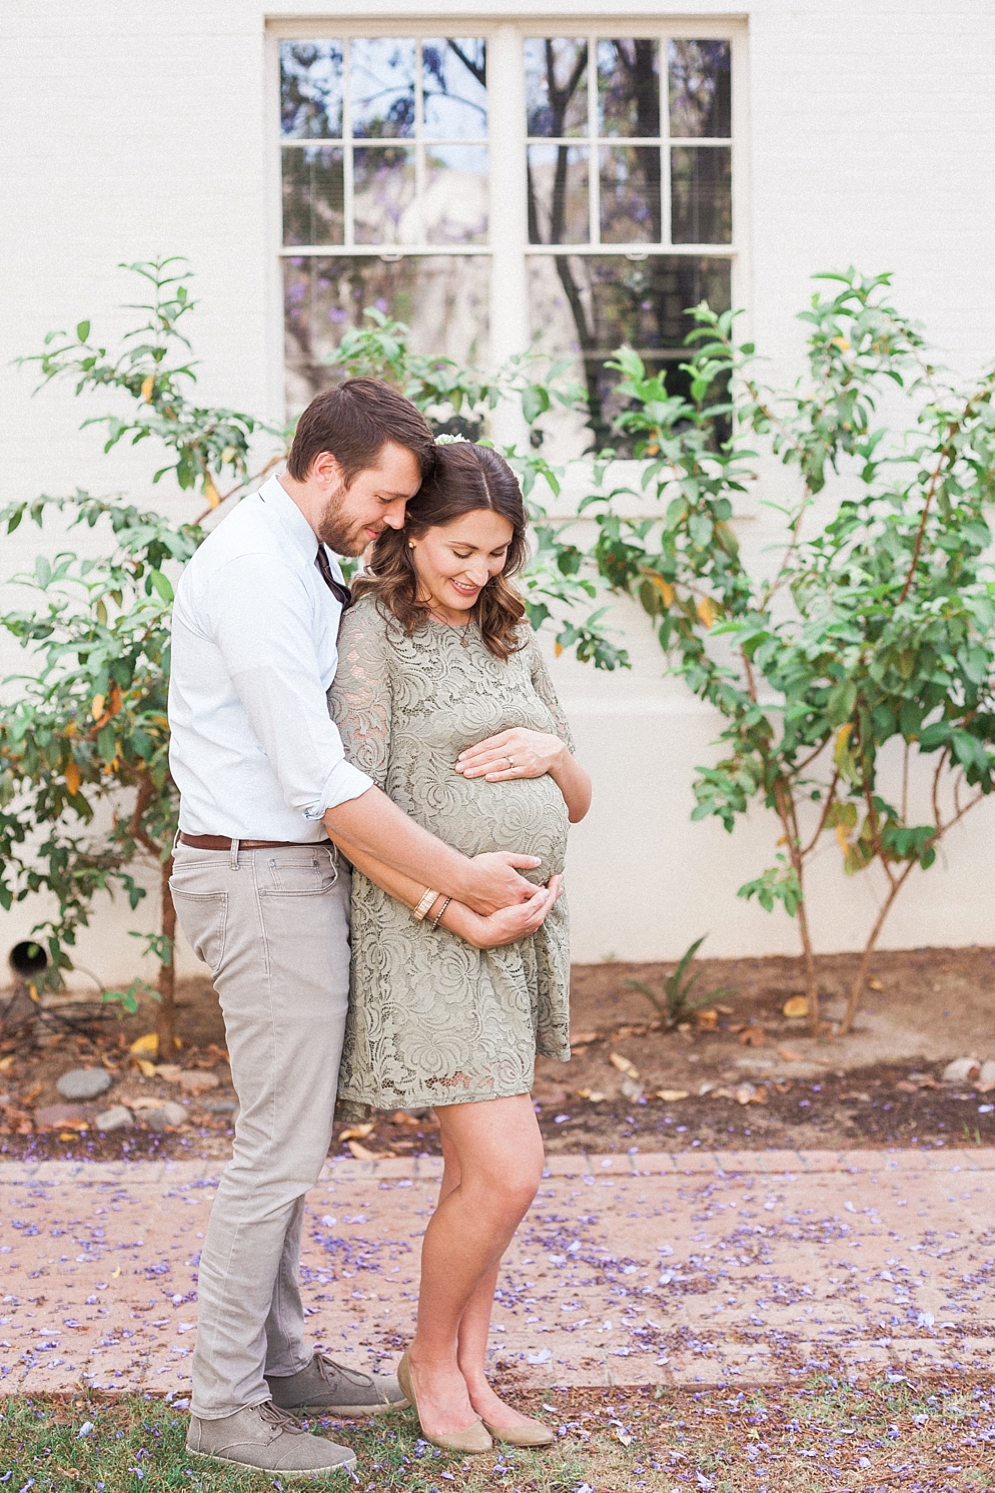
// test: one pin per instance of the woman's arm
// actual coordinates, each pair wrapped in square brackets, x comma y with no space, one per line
[508,925]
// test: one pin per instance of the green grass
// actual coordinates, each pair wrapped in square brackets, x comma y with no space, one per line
[825,1437]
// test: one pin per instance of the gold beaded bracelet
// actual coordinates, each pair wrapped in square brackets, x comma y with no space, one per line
[428,897]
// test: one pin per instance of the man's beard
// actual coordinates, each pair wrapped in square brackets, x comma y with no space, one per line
[335,529]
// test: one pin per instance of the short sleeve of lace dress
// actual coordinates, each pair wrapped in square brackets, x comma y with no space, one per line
[543,686]
[359,700]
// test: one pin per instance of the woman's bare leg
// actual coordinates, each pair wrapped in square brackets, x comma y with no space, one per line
[493,1154]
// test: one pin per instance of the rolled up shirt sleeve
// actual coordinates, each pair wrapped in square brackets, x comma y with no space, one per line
[260,614]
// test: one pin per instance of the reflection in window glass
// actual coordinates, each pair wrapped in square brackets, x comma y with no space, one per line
[382,87]
[311,74]
[629,89]
[454,206]
[585,306]
[385,209]
[556,86]
[701,194]
[558,188]
[630,194]
[443,298]
[454,86]
[313,195]
[700,89]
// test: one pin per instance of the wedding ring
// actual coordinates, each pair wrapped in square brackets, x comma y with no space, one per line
[510,761]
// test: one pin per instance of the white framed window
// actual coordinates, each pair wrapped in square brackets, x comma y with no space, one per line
[580,184]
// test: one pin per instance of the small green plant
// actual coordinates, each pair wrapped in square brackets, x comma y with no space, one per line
[677,1007]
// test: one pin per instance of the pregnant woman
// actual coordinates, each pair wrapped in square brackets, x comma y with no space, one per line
[443,698]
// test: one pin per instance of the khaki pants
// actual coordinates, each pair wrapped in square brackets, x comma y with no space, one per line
[273,925]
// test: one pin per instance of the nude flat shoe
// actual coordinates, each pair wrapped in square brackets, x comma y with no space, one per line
[533,1433]
[471,1440]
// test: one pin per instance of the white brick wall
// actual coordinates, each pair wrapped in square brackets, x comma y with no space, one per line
[130,130]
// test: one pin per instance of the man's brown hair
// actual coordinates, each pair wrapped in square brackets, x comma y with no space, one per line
[354,421]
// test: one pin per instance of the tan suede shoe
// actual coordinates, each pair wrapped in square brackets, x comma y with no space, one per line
[266,1438]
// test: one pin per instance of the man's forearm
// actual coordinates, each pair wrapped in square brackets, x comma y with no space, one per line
[375,827]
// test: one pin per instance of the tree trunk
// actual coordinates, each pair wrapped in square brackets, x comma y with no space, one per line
[811,982]
[166,1023]
[857,988]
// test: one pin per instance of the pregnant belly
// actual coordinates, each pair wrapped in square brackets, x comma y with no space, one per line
[526,815]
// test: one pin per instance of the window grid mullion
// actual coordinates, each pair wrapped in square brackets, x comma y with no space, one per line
[593,149]
[348,178]
[666,204]
[420,177]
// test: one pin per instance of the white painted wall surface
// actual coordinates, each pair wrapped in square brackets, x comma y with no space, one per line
[127,131]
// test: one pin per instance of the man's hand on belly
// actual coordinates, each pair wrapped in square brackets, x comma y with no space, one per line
[494,883]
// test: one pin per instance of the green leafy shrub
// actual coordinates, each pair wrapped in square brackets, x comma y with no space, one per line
[872,625]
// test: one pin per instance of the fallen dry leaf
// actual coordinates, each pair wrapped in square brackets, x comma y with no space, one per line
[7,1063]
[707,1020]
[594,1095]
[357,1132]
[796,1006]
[874,983]
[623,1065]
[362,1154]
[583,1039]
[789,1055]
[147,1069]
[671,1096]
[400,1118]
[725,1010]
[753,1036]
[907,1088]
[146,1045]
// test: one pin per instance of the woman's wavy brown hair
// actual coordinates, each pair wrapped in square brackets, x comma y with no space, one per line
[466,478]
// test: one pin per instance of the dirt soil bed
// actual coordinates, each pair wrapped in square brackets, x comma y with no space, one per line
[747,1076]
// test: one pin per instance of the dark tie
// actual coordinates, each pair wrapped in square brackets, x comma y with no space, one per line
[341,593]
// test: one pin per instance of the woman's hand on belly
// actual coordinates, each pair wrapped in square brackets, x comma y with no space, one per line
[518,753]
[507,925]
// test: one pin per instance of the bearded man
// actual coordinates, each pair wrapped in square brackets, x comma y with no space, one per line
[262,893]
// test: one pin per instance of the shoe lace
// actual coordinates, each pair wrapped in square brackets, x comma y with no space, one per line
[274,1416]
[329,1369]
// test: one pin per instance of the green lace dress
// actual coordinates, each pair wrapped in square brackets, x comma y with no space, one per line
[431,1019]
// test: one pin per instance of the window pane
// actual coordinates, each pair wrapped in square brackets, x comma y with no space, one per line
[628,88]
[443,298]
[384,207]
[701,194]
[556,86]
[454,88]
[630,194]
[454,208]
[587,306]
[311,90]
[700,91]
[557,185]
[313,195]
[382,87]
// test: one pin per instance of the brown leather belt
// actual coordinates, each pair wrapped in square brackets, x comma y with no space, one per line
[222,842]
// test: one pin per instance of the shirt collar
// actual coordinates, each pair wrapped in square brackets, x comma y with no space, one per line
[281,505]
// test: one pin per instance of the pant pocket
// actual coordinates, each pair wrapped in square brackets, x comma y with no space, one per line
[203,916]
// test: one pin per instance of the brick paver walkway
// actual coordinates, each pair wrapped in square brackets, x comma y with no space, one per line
[694,1269]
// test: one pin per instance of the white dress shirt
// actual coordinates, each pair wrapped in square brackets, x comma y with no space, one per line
[253,750]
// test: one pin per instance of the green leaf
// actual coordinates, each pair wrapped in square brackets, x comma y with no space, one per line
[83,330]
[841,701]
[162,585]
[107,743]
